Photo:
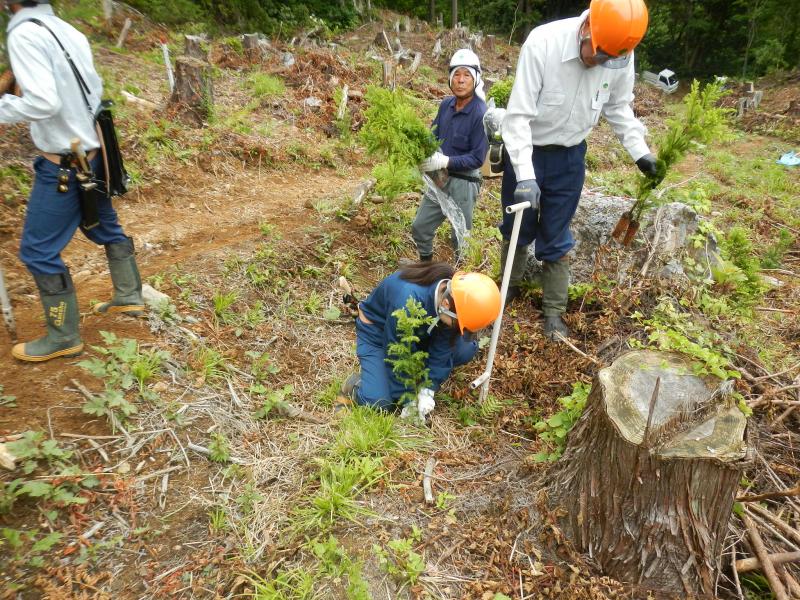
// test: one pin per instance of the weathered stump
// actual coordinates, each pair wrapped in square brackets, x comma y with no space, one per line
[193,96]
[650,473]
[196,46]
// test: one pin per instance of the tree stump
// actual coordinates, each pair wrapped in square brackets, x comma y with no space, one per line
[650,473]
[196,46]
[193,95]
[489,43]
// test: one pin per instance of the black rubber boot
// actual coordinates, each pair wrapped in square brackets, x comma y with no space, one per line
[425,257]
[61,319]
[555,285]
[127,282]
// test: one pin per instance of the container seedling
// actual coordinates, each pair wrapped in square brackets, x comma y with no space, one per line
[702,122]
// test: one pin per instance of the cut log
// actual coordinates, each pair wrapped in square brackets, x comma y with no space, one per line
[654,464]
[193,96]
[196,46]
[488,43]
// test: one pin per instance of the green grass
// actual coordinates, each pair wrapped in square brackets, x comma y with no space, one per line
[263,85]
[367,432]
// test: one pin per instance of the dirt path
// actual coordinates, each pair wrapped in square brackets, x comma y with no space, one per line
[172,225]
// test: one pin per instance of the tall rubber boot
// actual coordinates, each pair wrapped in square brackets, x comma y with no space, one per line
[518,267]
[61,320]
[555,284]
[348,393]
[127,282]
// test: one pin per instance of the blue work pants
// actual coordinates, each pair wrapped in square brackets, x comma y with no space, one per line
[52,217]
[560,173]
[379,387]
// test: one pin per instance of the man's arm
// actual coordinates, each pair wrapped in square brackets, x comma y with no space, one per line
[618,112]
[522,108]
[34,72]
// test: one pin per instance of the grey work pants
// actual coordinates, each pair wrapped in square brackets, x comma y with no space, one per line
[430,215]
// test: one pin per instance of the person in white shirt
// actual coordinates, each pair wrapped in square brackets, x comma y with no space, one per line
[569,73]
[57,105]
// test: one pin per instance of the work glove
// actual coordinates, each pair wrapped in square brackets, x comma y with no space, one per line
[436,161]
[528,191]
[423,406]
[648,165]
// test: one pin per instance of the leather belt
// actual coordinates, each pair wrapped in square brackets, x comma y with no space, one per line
[56,158]
[555,147]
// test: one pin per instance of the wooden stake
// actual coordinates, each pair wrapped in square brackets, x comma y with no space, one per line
[426,480]
[124,34]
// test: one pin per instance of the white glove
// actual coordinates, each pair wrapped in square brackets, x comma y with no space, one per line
[436,161]
[425,403]
[421,408]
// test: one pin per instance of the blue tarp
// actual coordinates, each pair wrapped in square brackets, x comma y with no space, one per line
[790,159]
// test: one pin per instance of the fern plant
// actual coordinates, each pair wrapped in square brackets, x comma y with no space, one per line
[408,362]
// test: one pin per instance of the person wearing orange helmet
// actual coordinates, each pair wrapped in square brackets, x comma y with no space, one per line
[569,73]
[460,304]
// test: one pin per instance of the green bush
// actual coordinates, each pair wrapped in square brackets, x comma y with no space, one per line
[501,92]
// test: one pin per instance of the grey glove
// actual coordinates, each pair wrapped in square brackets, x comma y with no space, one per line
[648,165]
[528,191]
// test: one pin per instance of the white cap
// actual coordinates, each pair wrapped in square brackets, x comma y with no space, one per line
[467,59]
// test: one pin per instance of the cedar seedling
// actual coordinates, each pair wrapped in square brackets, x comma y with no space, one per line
[408,362]
[702,122]
[395,133]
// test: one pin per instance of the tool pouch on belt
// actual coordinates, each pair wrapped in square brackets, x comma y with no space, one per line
[496,157]
[89,196]
[115,177]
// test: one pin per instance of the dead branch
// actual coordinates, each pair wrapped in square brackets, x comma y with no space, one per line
[754,564]
[426,480]
[766,564]
[795,491]
[778,522]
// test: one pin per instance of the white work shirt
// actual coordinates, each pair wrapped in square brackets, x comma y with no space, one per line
[51,97]
[556,99]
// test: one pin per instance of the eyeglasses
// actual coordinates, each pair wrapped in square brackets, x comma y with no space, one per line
[605,59]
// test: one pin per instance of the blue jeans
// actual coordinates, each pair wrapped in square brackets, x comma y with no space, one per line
[379,387]
[560,174]
[52,217]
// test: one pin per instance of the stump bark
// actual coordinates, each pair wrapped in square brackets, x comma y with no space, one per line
[196,46]
[193,96]
[650,473]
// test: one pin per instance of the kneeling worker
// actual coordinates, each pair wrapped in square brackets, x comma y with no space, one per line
[461,304]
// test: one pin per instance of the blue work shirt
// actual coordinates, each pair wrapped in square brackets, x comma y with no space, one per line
[393,293]
[461,133]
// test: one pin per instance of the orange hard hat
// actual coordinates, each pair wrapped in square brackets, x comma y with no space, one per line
[617,27]
[476,300]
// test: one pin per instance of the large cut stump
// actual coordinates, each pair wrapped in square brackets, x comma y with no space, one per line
[193,95]
[651,471]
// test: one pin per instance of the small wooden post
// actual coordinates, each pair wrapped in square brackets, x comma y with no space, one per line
[168,65]
[108,12]
[390,74]
[124,33]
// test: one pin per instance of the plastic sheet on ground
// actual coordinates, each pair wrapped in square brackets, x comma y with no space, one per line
[790,159]
[450,210]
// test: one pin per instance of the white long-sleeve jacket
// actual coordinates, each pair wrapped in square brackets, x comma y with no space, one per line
[556,99]
[51,98]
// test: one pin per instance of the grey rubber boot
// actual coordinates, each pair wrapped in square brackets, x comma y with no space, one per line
[555,284]
[61,319]
[518,267]
[127,282]
[348,393]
